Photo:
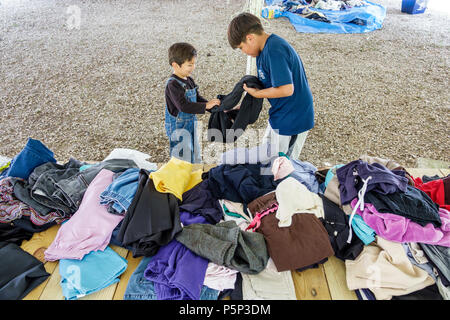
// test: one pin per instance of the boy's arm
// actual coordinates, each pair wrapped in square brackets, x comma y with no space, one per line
[272,92]
[176,95]
[200,97]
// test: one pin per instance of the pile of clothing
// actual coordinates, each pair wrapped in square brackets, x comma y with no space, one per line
[237,230]
[303,8]
[329,16]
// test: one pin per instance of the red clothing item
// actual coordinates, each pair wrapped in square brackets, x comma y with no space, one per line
[436,190]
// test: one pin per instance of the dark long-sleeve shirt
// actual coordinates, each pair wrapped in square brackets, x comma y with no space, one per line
[176,100]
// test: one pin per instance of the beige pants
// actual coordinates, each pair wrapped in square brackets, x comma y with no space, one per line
[281,142]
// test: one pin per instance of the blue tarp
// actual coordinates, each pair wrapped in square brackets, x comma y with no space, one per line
[372,15]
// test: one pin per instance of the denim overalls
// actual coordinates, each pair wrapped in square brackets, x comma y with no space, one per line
[182,130]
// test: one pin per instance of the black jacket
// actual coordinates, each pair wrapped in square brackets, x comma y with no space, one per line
[236,120]
[152,219]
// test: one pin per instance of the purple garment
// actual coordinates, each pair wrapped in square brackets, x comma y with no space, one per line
[383,180]
[397,228]
[177,272]
[199,200]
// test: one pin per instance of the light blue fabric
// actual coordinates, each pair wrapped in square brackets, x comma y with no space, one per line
[120,193]
[372,14]
[362,230]
[86,166]
[96,271]
[304,173]
[331,173]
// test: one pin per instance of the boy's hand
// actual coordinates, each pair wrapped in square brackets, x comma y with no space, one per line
[252,91]
[212,103]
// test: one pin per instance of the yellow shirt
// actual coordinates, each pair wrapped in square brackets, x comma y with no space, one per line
[176,177]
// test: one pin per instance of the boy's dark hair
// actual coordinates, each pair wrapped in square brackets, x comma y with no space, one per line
[242,25]
[181,52]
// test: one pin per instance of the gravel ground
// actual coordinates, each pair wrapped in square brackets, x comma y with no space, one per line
[86,86]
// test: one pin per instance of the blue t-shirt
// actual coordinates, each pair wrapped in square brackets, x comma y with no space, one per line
[279,64]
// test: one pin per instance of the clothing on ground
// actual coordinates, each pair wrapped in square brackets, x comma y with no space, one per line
[89,229]
[383,180]
[33,154]
[96,271]
[20,272]
[185,179]
[227,245]
[178,273]
[413,204]
[303,243]
[120,193]
[152,220]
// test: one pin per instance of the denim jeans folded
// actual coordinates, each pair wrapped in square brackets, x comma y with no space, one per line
[120,193]
[55,187]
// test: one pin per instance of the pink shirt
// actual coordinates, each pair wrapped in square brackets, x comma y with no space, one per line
[91,226]
[397,228]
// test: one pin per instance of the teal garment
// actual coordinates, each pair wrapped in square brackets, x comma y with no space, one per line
[331,173]
[229,213]
[86,166]
[362,230]
[96,271]
[282,154]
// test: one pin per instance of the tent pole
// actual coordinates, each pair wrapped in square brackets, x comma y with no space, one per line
[254,7]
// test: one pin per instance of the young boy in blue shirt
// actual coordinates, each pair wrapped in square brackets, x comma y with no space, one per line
[281,72]
[183,102]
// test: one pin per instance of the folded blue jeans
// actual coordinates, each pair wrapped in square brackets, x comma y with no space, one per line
[120,193]
[32,155]
[139,288]
[96,271]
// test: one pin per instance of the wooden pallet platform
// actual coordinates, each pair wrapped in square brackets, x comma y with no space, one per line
[324,283]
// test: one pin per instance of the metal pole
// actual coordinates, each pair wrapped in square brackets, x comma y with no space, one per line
[254,7]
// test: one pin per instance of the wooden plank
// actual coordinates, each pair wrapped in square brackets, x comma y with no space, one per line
[444,172]
[125,277]
[336,279]
[311,284]
[53,289]
[36,246]
[40,240]
[35,294]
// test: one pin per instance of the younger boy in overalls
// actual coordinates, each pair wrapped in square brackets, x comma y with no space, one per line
[183,102]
